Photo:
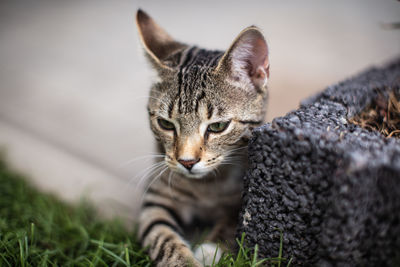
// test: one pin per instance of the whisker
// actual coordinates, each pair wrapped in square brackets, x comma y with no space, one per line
[236,149]
[153,172]
[233,160]
[150,168]
[141,158]
[147,172]
[237,156]
[151,183]
[233,156]
[144,174]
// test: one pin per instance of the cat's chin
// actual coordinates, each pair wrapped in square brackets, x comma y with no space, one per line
[195,175]
[192,175]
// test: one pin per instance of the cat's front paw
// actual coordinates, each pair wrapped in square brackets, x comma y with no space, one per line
[208,253]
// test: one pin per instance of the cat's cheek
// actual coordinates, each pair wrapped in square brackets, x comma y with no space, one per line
[166,138]
[168,149]
[166,145]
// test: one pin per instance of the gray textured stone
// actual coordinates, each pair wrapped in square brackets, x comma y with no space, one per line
[333,188]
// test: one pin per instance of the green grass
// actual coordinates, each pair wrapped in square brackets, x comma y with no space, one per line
[248,257]
[37,229]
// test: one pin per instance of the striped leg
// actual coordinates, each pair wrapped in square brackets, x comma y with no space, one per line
[160,230]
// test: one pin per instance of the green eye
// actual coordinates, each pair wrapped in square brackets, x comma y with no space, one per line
[218,127]
[166,125]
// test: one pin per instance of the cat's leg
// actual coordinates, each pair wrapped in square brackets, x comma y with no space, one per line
[161,231]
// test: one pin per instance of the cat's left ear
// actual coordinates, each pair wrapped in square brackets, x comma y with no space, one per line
[246,62]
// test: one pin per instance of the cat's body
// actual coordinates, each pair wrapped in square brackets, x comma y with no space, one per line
[201,112]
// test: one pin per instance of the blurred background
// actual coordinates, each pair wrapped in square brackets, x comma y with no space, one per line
[74,81]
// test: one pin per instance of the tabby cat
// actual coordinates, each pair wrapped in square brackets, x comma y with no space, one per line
[202,110]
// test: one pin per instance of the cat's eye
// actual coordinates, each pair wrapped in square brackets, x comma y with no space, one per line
[166,125]
[218,127]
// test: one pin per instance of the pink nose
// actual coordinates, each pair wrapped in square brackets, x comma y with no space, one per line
[188,164]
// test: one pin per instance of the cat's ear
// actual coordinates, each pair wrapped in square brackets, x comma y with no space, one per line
[246,62]
[159,45]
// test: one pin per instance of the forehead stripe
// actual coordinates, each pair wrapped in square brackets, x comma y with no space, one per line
[187,59]
[201,96]
[170,108]
[210,110]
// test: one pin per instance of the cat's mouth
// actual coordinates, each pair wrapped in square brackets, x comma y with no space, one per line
[193,170]
[198,171]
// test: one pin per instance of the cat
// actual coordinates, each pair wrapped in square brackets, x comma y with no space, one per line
[202,111]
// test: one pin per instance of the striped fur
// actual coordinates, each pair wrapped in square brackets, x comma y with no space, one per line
[198,183]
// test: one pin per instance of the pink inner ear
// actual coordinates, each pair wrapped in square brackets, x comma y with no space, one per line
[259,59]
[247,59]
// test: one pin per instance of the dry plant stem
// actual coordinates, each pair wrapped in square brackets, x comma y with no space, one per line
[382,115]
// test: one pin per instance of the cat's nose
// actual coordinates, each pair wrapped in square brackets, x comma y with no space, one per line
[188,164]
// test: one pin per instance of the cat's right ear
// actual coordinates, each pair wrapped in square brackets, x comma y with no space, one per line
[158,44]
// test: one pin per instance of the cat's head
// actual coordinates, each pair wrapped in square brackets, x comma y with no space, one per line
[205,102]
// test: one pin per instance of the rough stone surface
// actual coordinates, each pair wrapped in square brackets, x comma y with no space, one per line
[331,187]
